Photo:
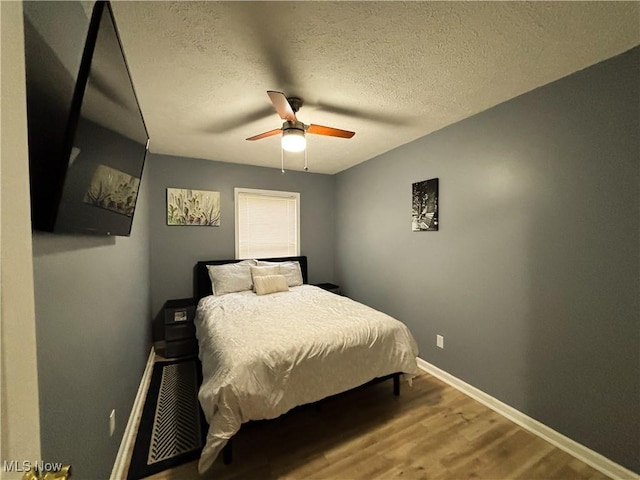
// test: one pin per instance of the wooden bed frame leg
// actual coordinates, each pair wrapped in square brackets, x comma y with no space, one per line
[396,384]
[227,453]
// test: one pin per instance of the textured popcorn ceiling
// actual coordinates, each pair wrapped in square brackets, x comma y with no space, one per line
[390,71]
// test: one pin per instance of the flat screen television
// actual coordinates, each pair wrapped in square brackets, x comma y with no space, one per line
[88,143]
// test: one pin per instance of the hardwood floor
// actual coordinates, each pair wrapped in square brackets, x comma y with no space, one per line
[431,431]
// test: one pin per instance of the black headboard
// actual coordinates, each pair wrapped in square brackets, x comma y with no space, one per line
[202,283]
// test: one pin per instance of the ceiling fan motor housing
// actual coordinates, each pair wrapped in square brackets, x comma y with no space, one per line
[286,126]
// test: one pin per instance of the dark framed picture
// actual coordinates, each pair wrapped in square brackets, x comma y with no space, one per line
[424,213]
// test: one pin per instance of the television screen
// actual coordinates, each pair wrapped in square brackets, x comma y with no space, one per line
[88,181]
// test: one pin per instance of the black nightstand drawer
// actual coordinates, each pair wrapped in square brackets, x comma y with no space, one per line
[178,331]
[180,348]
[178,311]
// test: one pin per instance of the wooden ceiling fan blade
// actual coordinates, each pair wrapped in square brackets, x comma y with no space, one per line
[329,131]
[283,107]
[270,133]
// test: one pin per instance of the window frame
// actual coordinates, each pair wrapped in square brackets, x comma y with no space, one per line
[267,193]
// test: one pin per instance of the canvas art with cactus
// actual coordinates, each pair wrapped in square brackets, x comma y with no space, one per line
[193,207]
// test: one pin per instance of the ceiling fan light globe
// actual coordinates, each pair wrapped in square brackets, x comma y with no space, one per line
[293,140]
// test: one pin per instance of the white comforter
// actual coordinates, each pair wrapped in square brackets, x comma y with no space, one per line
[263,355]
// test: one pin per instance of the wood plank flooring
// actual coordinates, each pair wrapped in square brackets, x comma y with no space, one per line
[431,431]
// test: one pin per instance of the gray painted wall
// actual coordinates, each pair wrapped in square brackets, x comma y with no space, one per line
[533,278]
[92,350]
[176,249]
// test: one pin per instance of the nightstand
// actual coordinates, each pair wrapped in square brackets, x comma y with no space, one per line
[179,330]
[329,287]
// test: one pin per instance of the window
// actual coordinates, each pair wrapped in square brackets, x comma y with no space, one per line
[267,223]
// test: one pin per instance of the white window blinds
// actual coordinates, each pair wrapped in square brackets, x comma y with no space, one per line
[267,223]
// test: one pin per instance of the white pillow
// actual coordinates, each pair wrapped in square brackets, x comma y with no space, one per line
[290,269]
[270,284]
[231,277]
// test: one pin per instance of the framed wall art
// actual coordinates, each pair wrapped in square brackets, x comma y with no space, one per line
[193,207]
[424,213]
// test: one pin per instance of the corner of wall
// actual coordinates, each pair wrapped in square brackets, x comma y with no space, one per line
[20,410]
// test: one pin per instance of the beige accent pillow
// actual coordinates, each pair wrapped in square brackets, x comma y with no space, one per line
[262,271]
[290,269]
[270,284]
[231,277]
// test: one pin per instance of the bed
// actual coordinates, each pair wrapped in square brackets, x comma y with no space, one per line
[263,354]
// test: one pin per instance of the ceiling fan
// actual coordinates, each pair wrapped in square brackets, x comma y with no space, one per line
[293,131]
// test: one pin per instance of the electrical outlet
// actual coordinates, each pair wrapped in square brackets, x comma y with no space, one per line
[439,341]
[112,422]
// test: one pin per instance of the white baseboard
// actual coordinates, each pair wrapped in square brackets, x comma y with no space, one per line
[588,456]
[129,437]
